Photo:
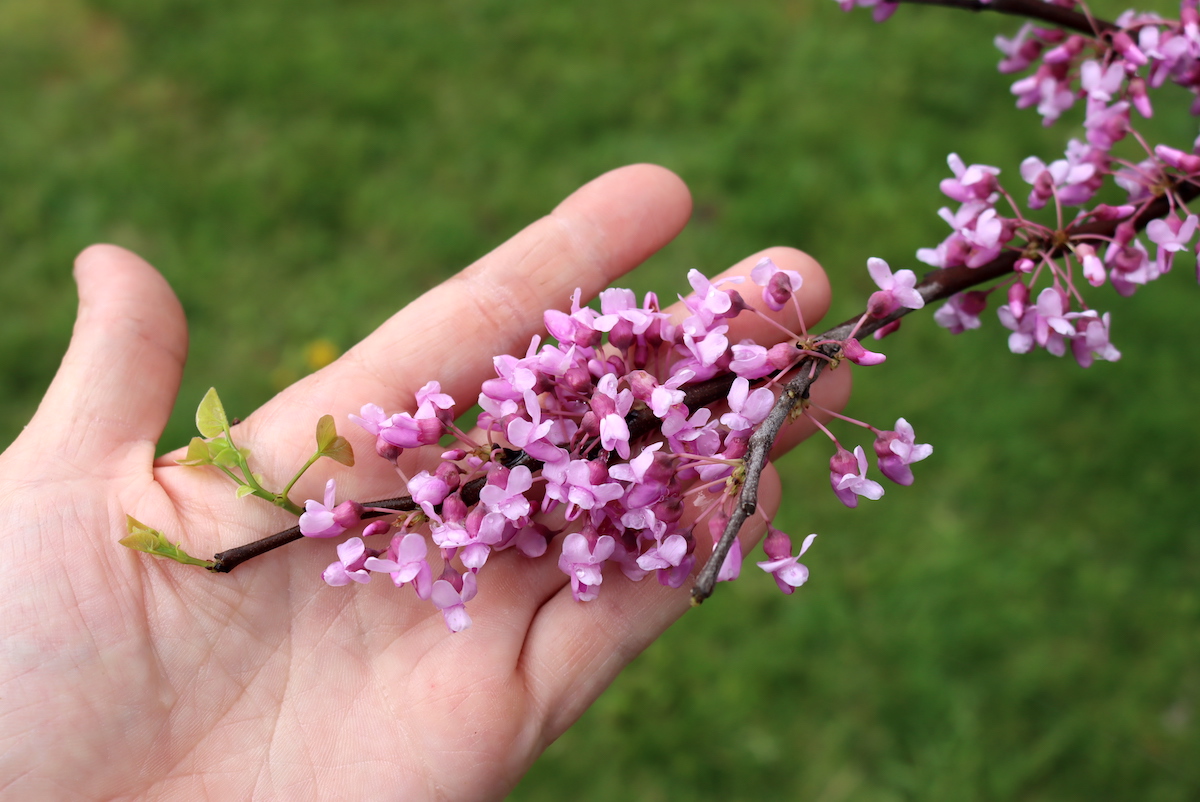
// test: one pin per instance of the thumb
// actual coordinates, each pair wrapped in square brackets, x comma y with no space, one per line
[116,385]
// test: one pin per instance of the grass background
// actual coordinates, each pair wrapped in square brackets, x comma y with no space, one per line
[1019,625]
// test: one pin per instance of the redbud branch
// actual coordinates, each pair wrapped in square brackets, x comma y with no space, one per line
[1034,9]
[227,560]
[936,285]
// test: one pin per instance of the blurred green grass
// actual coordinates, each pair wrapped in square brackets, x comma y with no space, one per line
[1020,624]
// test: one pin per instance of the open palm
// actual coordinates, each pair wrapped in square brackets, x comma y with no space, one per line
[122,676]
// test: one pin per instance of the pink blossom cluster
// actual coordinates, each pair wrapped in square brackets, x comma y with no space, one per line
[1112,74]
[562,448]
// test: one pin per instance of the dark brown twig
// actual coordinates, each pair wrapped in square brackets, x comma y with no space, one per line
[1031,9]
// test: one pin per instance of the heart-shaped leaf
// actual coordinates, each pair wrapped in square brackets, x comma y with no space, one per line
[210,415]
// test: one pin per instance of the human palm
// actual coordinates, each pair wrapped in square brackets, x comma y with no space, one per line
[123,676]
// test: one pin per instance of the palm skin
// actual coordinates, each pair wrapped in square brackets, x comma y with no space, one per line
[127,677]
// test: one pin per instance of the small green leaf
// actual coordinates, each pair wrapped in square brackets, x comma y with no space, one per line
[198,453]
[151,541]
[332,445]
[326,432]
[226,458]
[340,451]
[243,491]
[210,416]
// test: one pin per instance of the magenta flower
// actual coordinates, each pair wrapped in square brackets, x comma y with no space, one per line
[1171,235]
[747,409]
[1188,162]
[976,182]
[897,450]
[612,407]
[405,560]
[709,302]
[452,601]
[1092,342]
[895,290]
[371,417]
[583,563]
[1099,84]
[789,573]
[577,328]
[1107,126]
[778,285]
[350,567]
[961,312]
[848,476]
[670,559]
[750,360]
[581,484]
[328,519]
[1093,268]
[1060,175]
[1020,51]
[426,488]
[509,500]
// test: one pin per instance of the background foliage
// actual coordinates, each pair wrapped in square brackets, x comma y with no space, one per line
[1021,624]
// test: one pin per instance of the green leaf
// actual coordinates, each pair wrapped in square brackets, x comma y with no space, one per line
[226,457]
[243,491]
[340,451]
[151,541]
[210,416]
[326,432]
[198,453]
[331,444]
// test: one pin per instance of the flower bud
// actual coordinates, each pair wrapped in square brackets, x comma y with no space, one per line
[621,336]
[1018,299]
[777,545]
[386,450]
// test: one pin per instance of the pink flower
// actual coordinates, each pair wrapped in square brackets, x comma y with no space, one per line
[1171,235]
[1093,268]
[895,291]
[350,567]
[670,559]
[1107,125]
[747,409]
[1092,342]
[452,601]
[789,573]
[750,360]
[583,563]
[1101,84]
[1020,51]
[961,312]
[897,450]
[373,418]
[778,285]
[405,560]
[328,520]
[509,500]
[976,182]
[1060,174]
[611,407]
[848,475]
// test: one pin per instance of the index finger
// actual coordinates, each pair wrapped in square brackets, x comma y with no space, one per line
[449,334]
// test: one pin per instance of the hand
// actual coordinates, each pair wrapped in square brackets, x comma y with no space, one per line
[125,676]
